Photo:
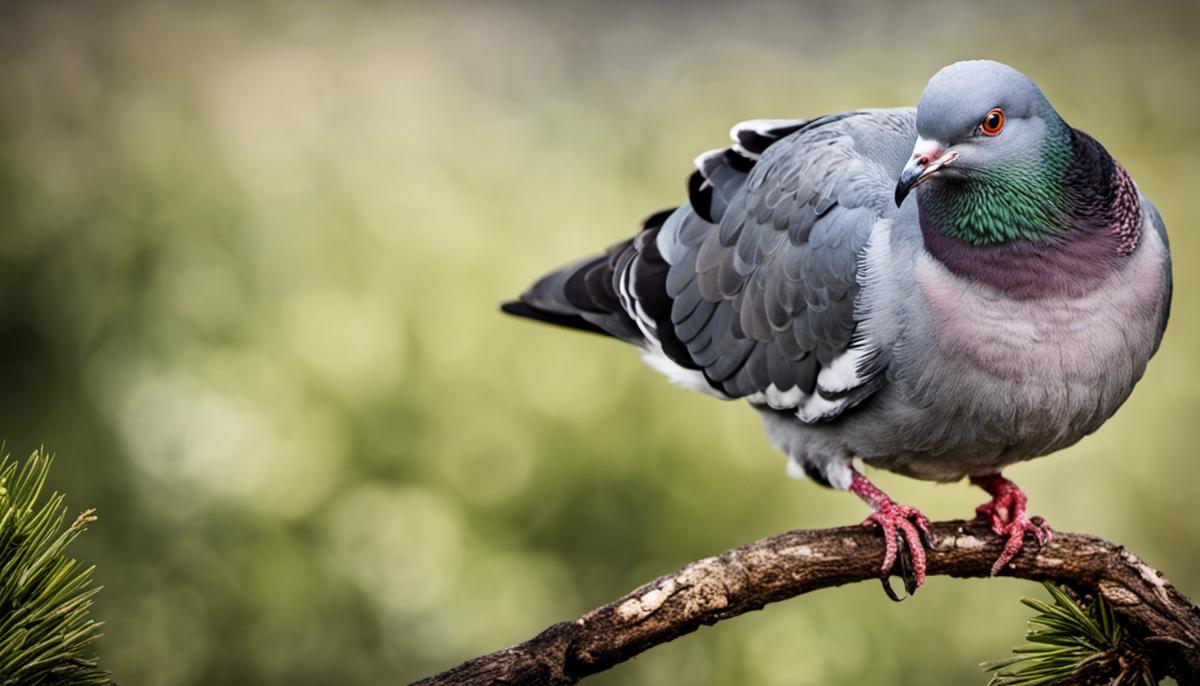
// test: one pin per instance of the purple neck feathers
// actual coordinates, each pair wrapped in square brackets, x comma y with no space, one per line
[1104,227]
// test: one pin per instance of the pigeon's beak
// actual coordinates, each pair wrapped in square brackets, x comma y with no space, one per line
[927,158]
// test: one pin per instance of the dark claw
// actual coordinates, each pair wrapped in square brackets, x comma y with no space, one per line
[1042,533]
[1037,540]
[927,539]
[905,538]
[905,571]
[887,588]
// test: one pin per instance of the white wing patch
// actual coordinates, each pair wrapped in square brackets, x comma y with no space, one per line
[809,407]
[840,376]
[777,399]
[761,128]
[843,374]
[817,407]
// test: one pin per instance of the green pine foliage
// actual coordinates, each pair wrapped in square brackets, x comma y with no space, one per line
[1072,644]
[46,634]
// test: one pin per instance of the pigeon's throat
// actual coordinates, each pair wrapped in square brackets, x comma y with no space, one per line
[1060,227]
[1022,201]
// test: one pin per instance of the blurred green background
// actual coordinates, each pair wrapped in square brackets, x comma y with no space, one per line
[249,265]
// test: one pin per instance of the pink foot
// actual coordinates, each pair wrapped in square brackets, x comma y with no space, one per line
[1006,510]
[905,535]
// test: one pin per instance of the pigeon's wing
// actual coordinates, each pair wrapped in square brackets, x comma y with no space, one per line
[623,293]
[749,290]
[760,271]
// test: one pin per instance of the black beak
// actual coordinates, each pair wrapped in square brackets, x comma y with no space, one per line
[913,171]
[921,166]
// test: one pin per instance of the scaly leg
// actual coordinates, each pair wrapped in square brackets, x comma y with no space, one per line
[903,527]
[1006,510]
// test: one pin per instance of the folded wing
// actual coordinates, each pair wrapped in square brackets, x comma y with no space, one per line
[750,289]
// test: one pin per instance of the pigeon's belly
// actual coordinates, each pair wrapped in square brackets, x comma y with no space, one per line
[1013,379]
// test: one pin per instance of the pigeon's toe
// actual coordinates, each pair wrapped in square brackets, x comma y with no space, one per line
[1006,513]
[1014,532]
[905,538]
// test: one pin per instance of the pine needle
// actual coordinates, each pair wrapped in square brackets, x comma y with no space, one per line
[1069,643]
[46,635]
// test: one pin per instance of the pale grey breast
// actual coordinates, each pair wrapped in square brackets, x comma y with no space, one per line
[1001,380]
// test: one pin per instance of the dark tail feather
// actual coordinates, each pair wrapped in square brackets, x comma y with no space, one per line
[583,295]
[518,308]
[580,296]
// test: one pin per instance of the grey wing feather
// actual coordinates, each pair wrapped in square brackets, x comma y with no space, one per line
[764,262]
[750,290]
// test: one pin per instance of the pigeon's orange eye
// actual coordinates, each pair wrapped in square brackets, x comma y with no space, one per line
[992,122]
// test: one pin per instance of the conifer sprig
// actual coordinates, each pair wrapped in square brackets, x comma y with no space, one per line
[46,633]
[1069,643]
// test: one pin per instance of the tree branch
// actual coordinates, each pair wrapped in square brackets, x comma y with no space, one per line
[737,581]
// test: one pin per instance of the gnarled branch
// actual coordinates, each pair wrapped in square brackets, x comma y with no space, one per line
[737,581]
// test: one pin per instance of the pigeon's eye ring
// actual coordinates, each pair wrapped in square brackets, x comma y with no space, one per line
[993,122]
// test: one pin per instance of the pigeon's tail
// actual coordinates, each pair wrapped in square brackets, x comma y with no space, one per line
[620,293]
[520,308]
[575,297]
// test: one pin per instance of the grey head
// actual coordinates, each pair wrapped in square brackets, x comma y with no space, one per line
[982,119]
[994,158]
[956,101]
[1009,194]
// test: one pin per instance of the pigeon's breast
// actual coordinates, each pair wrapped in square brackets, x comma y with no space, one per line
[1052,339]
[1006,379]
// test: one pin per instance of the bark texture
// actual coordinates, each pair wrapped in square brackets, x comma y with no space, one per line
[737,581]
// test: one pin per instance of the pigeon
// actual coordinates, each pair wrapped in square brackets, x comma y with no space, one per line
[939,292]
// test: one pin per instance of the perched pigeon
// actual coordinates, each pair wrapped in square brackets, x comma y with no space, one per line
[940,292]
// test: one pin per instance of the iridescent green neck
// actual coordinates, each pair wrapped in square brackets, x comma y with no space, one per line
[1023,200]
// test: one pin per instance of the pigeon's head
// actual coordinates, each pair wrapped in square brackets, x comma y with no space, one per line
[982,122]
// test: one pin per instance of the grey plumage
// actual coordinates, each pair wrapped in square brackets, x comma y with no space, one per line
[792,280]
